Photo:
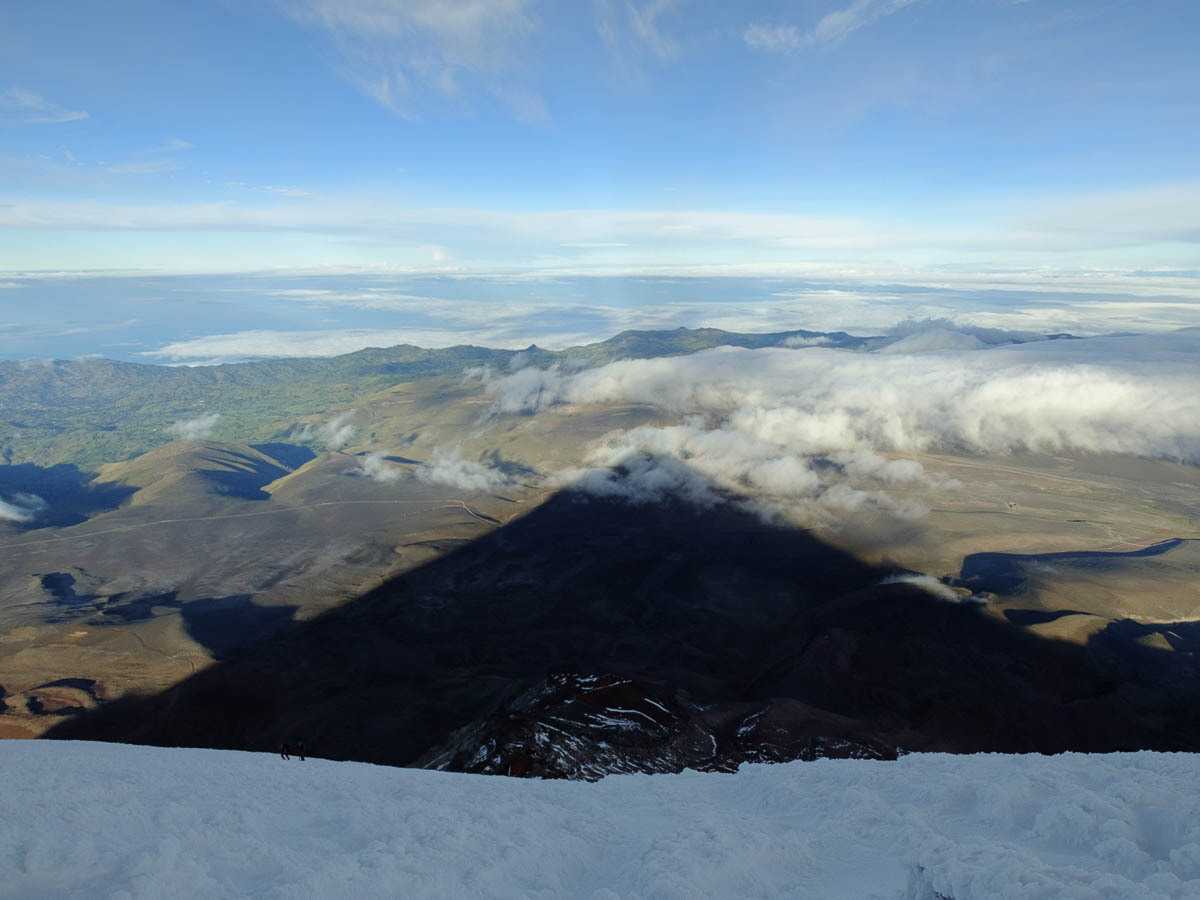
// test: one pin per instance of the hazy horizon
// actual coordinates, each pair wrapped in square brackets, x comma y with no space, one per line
[309,177]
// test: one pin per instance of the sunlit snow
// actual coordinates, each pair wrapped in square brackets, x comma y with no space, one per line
[95,820]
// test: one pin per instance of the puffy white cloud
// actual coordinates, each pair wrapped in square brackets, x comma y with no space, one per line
[338,431]
[811,429]
[376,467]
[1122,395]
[21,508]
[334,434]
[641,478]
[736,456]
[445,467]
[707,465]
[196,429]
[450,469]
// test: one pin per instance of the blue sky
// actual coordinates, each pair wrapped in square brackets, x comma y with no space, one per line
[615,135]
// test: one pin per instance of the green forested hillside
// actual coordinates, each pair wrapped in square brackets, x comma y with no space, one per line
[91,411]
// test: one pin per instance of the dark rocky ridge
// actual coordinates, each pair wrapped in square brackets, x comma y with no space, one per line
[588,726]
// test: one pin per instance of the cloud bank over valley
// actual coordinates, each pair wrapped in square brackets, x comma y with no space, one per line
[826,431]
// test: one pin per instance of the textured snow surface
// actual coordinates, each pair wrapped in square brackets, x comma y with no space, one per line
[96,820]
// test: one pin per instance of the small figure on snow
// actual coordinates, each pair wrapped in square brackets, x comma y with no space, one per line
[285,750]
[300,749]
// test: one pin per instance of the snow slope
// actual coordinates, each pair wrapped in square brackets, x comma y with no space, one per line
[99,820]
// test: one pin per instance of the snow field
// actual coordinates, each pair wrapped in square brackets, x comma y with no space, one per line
[99,820]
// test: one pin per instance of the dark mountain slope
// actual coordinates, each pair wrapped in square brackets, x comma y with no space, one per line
[716,614]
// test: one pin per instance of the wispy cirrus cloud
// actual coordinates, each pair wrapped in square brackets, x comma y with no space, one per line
[25,107]
[279,190]
[172,145]
[403,52]
[286,190]
[831,28]
[143,167]
[66,167]
[635,30]
[157,159]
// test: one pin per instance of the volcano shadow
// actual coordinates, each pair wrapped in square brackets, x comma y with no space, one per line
[714,602]
[224,625]
[221,625]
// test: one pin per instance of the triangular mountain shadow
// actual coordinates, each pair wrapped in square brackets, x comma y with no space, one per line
[715,604]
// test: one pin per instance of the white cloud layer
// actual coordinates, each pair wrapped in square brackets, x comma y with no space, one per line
[810,428]
[970,308]
[244,345]
[196,429]
[1138,395]
[1049,224]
